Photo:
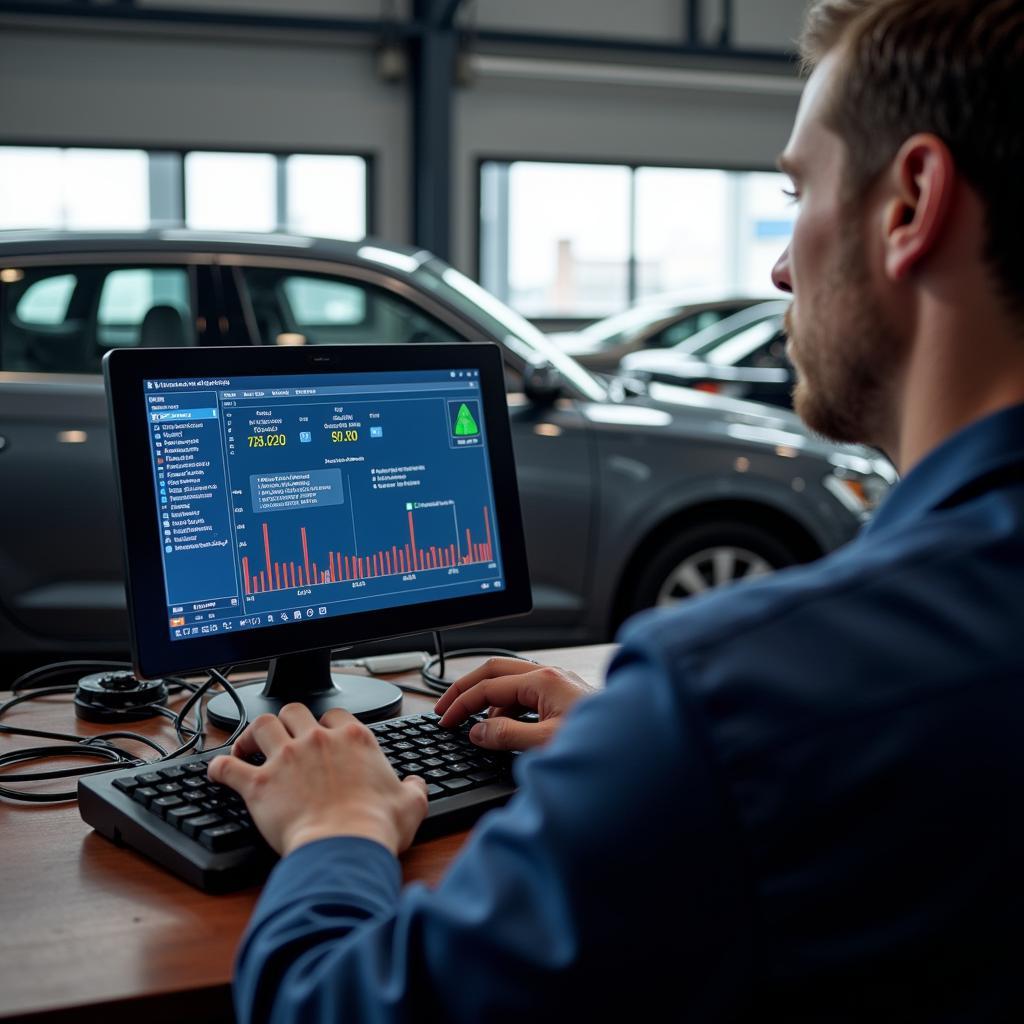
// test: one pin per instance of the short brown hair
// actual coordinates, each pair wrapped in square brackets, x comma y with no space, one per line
[952,68]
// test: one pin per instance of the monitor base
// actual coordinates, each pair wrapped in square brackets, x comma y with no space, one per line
[307,679]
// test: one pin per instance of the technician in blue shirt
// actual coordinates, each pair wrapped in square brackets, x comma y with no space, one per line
[797,799]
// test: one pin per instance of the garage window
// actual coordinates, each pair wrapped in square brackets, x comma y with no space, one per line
[576,240]
[57,188]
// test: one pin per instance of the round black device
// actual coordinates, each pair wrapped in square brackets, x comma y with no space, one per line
[118,697]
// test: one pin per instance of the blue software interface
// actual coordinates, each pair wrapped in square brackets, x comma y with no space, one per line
[284,499]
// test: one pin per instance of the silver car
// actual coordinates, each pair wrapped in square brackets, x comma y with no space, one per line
[631,496]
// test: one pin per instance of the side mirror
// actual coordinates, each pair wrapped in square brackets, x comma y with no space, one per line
[542,384]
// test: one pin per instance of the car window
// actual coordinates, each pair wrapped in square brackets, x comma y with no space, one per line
[314,309]
[319,302]
[128,295]
[687,327]
[46,302]
[741,346]
[64,319]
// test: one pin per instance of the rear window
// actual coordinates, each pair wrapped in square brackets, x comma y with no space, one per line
[64,319]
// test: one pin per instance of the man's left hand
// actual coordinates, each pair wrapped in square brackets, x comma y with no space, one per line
[320,779]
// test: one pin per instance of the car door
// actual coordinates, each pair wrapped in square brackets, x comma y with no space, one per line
[292,305]
[60,552]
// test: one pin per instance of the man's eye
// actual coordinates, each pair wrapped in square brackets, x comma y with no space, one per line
[791,194]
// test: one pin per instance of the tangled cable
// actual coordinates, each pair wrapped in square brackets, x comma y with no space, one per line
[34,684]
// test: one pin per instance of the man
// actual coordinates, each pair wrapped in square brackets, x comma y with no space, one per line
[799,798]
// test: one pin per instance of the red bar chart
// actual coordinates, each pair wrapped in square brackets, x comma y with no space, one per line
[334,566]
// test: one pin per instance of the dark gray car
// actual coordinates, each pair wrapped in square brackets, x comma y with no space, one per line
[657,323]
[628,498]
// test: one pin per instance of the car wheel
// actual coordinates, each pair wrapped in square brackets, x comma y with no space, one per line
[707,556]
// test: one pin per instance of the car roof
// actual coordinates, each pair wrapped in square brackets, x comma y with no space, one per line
[171,239]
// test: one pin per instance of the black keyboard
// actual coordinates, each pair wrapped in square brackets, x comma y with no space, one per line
[202,832]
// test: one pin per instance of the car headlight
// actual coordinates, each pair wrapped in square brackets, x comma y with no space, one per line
[860,484]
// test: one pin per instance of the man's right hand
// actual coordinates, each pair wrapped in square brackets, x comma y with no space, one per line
[509,686]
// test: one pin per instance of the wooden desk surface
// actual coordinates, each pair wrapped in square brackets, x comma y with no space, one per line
[93,931]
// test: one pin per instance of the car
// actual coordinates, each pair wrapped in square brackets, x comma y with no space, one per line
[742,356]
[656,323]
[632,495]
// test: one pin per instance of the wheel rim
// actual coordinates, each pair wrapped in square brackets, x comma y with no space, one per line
[711,568]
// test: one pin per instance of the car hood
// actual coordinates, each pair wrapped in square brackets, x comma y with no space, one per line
[686,412]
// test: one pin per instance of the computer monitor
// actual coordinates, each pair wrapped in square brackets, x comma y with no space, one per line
[281,503]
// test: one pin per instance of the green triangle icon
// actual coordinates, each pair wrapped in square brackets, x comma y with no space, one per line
[465,425]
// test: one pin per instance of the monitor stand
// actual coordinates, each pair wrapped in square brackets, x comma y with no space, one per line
[306,678]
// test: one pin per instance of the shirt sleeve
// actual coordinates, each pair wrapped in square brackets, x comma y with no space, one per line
[613,879]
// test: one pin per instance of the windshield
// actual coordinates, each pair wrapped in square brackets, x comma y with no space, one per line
[702,344]
[734,350]
[516,331]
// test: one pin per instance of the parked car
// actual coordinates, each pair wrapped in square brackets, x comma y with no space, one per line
[742,356]
[630,496]
[656,323]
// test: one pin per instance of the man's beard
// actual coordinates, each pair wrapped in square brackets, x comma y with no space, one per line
[846,354]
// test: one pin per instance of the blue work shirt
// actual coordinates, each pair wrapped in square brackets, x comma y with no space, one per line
[798,799]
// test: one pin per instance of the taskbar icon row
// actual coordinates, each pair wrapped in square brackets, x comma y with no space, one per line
[246,622]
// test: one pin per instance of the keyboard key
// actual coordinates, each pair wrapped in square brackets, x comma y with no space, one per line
[225,837]
[433,762]
[149,779]
[176,815]
[172,773]
[193,826]
[411,768]
[196,768]
[164,804]
[437,773]
[126,784]
[169,787]
[434,791]
[144,794]
[482,777]
[459,768]
[194,783]
[457,785]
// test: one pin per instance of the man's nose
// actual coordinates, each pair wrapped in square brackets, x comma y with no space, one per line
[780,273]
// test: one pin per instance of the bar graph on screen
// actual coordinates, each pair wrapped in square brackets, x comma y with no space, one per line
[299,558]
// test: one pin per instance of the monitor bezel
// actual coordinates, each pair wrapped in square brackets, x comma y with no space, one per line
[154,653]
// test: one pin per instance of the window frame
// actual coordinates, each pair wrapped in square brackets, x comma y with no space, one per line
[633,166]
[182,149]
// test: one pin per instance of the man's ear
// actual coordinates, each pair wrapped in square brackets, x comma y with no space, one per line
[923,177]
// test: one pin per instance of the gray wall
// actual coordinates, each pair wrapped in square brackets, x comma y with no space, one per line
[244,88]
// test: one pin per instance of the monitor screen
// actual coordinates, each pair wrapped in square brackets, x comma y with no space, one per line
[294,497]
[278,500]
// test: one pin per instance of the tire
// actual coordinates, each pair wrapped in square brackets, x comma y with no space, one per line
[705,556]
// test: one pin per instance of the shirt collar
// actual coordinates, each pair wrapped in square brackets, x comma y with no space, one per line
[986,445]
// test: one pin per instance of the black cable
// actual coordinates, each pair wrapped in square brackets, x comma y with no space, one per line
[33,685]
[437,681]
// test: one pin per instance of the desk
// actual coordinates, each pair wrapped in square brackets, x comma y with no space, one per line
[93,931]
